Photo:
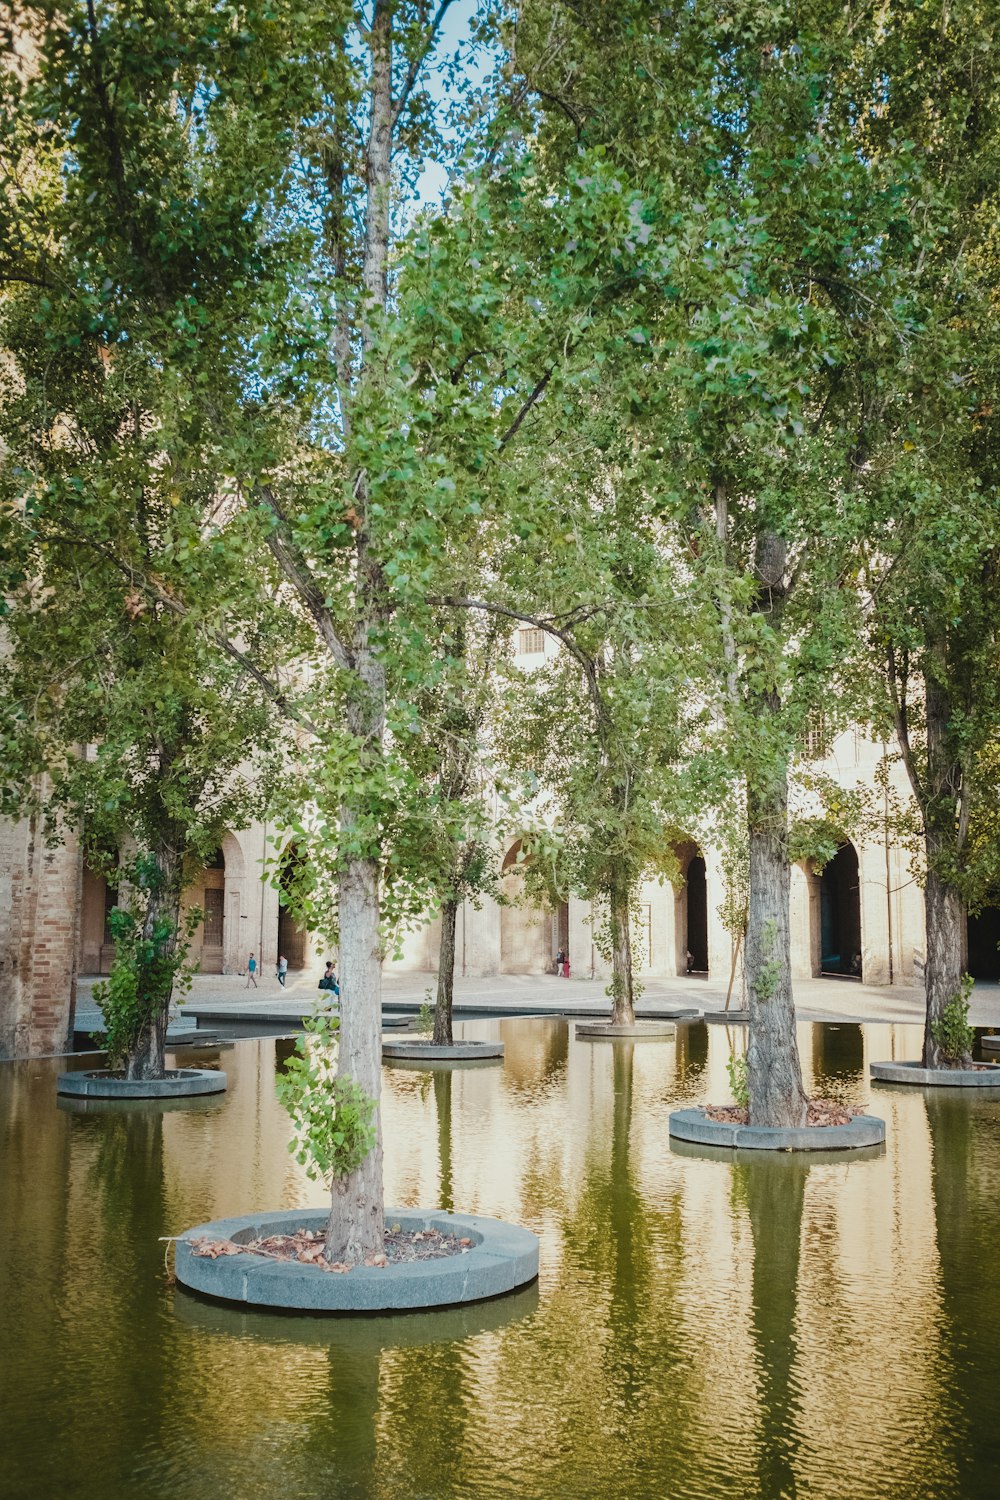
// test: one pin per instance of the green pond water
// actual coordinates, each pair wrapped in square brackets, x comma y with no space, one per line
[701,1326]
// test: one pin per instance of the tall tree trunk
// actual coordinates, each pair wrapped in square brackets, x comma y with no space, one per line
[622,998]
[773,1070]
[355,1231]
[944,914]
[774,1074]
[145,1060]
[443,1035]
[944,840]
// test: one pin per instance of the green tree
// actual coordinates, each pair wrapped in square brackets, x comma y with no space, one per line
[931,566]
[450,755]
[770,310]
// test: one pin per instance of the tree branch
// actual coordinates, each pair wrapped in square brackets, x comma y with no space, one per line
[900,710]
[298,573]
[540,622]
[535,396]
[416,63]
[176,606]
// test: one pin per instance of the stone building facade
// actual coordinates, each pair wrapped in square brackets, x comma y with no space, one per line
[861,917]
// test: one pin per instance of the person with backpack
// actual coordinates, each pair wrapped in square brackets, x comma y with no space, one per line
[329,980]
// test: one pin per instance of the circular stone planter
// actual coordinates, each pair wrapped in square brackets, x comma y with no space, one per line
[177,1083]
[694,1125]
[983,1076]
[727,1017]
[640,1031]
[82,1104]
[805,1159]
[414,1050]
[990,1043]
[502,1258]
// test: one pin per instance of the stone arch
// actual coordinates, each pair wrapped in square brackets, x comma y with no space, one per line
[691,910]
[208,890]
[218,889]
[293,937]
[529,933]
[235,907]
[97,899]
[836,916]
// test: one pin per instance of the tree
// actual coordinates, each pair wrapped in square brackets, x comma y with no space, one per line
[931,568]
[449,754]
[750,210]
[119,711]
[628,634]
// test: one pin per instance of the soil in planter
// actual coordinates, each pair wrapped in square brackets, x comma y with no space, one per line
[122,1077]
[306,1245]
[819,1112]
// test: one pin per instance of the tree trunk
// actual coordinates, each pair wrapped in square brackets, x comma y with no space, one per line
[355,1231]
[443,1036]
[944,913]
[145,1060]
[773,1070]
[622,998]
[944,840]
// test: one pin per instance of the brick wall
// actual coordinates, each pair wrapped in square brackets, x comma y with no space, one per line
[39,924]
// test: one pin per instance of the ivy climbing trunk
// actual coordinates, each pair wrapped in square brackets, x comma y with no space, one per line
[622,997]
[443,1033]
[156,978]
[355,1231]
[774,1074]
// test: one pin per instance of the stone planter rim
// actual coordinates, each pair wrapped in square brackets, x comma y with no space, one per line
[503,1258]
[417,1050]
[649,1031]
[983,1076]
[179,1083]
[695,1126]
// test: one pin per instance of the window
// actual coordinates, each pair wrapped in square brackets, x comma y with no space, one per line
[531,642]
[816,735]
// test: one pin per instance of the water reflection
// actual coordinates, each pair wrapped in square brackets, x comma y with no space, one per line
[442,1103]
[773,1189]
[707,1325]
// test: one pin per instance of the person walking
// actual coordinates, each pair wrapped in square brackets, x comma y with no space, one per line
[282,970]
[252,972]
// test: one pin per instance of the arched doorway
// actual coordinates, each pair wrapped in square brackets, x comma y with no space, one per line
[98,899]
[527,941]
[691,911]
[840,915]
[697,916]
[213,904]
[292,936]
[983,945]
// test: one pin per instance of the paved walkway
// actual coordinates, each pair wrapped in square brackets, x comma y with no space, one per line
[226,995]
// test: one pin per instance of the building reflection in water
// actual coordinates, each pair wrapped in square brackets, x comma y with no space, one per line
[705,1326]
